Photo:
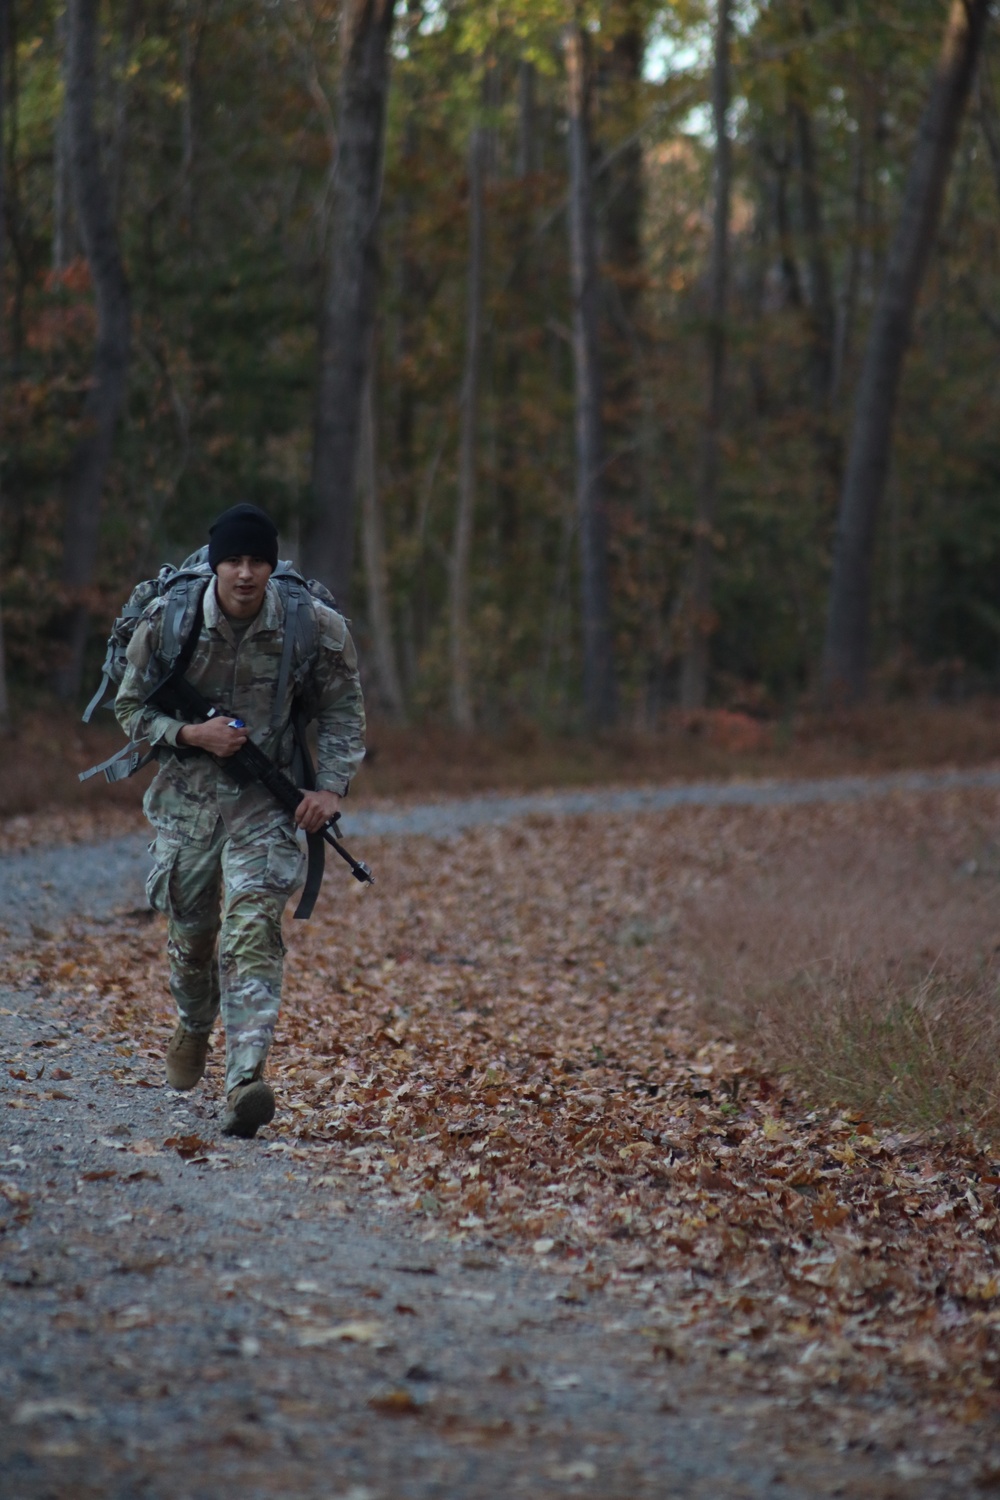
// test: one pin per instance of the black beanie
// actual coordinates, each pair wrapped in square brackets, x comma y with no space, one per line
[242,531]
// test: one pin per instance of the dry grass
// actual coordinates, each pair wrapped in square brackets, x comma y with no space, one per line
[861,957]
[919,1051]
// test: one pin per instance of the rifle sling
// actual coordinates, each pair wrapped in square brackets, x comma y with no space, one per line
[315,842]
[316,849]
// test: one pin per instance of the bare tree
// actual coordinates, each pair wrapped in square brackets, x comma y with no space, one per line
[527,119]
[694,668]
[118,85]
[388,684]
[845,657]
[619,201]
[847,301]
[4,19]
[821,303]
[599,688]
[64,246]
[106,395]
[461,550]
[821,311]
[349,305]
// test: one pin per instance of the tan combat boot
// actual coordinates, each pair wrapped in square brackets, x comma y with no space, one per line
[248,1106]
[186,1058]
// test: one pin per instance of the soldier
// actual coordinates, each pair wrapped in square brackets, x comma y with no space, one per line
[220,843]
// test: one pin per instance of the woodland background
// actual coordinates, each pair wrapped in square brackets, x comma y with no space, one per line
[616,363]
[577,354]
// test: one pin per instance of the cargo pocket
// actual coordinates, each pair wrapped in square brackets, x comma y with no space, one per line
[164,852]
[286,864]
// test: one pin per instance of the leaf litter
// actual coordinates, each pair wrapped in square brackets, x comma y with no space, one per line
[504,1041]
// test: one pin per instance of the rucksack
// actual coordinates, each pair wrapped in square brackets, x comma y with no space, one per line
[184,588]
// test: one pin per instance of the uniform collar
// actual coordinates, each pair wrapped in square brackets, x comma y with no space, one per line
[269,616]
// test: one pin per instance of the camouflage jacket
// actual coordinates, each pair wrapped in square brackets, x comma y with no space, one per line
[189,794]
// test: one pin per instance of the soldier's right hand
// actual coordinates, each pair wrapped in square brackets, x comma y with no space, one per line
[216,736]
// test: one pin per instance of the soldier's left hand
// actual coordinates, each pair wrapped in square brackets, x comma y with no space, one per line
[315,810]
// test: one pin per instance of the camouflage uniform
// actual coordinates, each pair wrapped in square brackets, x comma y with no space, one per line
[220,842]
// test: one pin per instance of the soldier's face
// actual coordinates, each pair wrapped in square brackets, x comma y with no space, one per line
[241,582]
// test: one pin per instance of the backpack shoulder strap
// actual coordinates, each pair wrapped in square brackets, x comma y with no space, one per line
[301,636]
[293,601]
[190,641]
[183,611]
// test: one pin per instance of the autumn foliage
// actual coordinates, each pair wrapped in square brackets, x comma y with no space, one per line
[220,131]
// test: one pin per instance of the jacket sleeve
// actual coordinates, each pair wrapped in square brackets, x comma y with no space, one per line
[138,721]
[340,709]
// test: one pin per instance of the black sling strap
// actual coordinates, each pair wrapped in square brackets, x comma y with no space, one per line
[315,843]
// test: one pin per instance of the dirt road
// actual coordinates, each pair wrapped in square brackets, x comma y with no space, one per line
[186,1315]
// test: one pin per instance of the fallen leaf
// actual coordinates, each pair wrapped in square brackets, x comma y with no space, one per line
[358,1332]
[188,1146]
[52,1406]
[398,1403]
[136,1316]
[581,1468]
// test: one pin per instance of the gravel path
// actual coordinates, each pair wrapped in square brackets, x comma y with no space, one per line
[186,1316]
[41,887]
[243,1321]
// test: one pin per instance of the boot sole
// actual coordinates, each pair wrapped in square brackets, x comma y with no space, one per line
[254,1108]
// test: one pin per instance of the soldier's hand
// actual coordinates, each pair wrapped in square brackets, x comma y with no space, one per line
[315,810]
[215,735]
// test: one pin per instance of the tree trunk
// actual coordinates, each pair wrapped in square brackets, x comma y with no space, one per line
[700,623]
[103,405]
[119,88]
[624,186]
[848,299]
[4,17]
[458,612]
[821,309]
[845,658]
[620,214]
[821,313]
[64,245]
[15,219]
[349,306]
[527,120]
[599,690]
[389,689]
[783,229]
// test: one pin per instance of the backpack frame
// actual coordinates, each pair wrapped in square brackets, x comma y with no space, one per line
[184,589]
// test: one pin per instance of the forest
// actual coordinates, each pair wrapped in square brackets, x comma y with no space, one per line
[603,356]
[627,369]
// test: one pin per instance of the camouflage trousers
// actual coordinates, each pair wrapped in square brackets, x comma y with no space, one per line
[223,901]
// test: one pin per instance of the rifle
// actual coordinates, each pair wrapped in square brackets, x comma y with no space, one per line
[176,696]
